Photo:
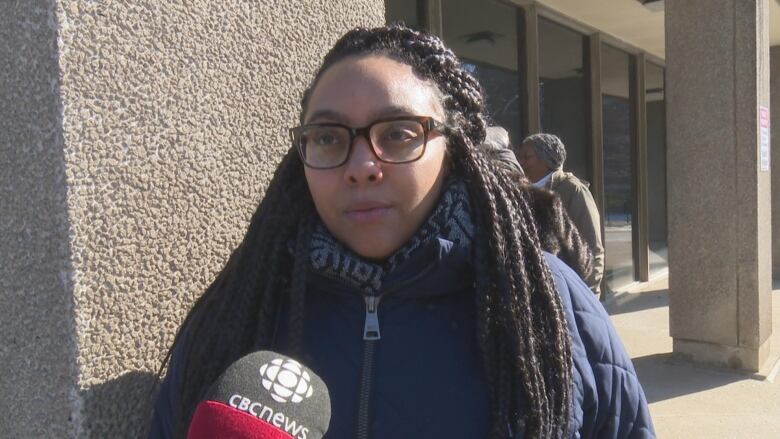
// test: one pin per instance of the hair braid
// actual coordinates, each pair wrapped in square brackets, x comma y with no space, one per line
[557,232]
[514,320]
[298,287]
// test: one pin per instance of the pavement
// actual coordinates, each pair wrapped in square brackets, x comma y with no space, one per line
[690,400]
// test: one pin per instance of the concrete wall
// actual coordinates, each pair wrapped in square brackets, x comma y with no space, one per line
[719,199]
[37,340]
[147,149]
[774,111]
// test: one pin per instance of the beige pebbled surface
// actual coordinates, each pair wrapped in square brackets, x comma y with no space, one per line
[37,341]
[174,118]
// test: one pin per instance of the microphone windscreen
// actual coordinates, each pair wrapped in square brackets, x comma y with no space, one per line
[263,395]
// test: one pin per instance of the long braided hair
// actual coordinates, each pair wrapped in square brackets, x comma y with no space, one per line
[557,232]
[521,326]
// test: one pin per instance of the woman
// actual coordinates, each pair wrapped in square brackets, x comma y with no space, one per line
[389,257]
[557,232]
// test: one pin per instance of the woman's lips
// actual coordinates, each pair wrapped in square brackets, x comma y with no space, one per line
[367,212]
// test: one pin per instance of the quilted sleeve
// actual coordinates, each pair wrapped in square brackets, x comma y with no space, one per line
[608,400]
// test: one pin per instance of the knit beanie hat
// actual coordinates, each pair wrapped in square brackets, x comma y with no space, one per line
[549,149]
[496,147]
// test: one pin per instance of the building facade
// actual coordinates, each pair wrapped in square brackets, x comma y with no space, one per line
[544,71]
[682,178]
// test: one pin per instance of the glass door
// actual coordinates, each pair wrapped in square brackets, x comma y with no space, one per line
[619,166]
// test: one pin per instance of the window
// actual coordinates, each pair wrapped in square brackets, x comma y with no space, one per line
[619,163]
[485,37]
[410,12]
[656,167]
[564,105]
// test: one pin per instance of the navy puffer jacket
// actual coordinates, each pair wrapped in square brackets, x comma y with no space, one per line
[427,376]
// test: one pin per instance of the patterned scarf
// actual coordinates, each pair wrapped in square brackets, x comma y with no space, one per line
[450,220]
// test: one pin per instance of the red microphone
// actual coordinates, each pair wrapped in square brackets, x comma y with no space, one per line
[264,395]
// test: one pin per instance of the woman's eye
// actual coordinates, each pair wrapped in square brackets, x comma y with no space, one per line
[326,139]
[400,135]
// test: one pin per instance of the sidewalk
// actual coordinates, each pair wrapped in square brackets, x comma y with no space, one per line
[687,400]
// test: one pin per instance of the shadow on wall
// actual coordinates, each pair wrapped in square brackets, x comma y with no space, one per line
[128,420]
[36,311]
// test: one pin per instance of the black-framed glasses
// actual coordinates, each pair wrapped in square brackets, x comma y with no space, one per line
[393,140]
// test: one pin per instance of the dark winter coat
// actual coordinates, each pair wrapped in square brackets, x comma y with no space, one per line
[428,380]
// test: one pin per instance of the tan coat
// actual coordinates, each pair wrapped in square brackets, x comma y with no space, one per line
[579,204]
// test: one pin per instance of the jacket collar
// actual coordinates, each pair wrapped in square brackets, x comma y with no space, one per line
[560,175]
[448,231]
[438,268]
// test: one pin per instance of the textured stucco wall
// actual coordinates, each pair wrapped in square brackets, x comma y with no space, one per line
[174,116]
[37,343]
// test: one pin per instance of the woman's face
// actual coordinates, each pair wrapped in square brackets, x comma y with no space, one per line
[371,206]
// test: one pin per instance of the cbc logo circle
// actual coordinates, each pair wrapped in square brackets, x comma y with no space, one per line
[286,380]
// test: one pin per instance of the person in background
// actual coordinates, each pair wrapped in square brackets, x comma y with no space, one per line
[557,233]
[542,157]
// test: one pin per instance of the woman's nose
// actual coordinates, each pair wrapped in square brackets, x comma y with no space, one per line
[363,167]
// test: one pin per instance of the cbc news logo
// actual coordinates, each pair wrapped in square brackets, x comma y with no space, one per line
[286,380]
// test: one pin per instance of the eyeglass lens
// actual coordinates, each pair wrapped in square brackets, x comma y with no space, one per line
[396,141]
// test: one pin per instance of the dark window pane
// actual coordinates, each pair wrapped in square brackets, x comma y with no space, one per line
[656,166]
[617,105]
[563,93]
[502,94]
[407,11]
[484,36]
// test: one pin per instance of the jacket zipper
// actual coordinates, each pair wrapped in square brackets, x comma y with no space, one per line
[371,336]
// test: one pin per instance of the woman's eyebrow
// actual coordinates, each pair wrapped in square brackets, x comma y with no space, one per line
[328,115]
[334,116]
